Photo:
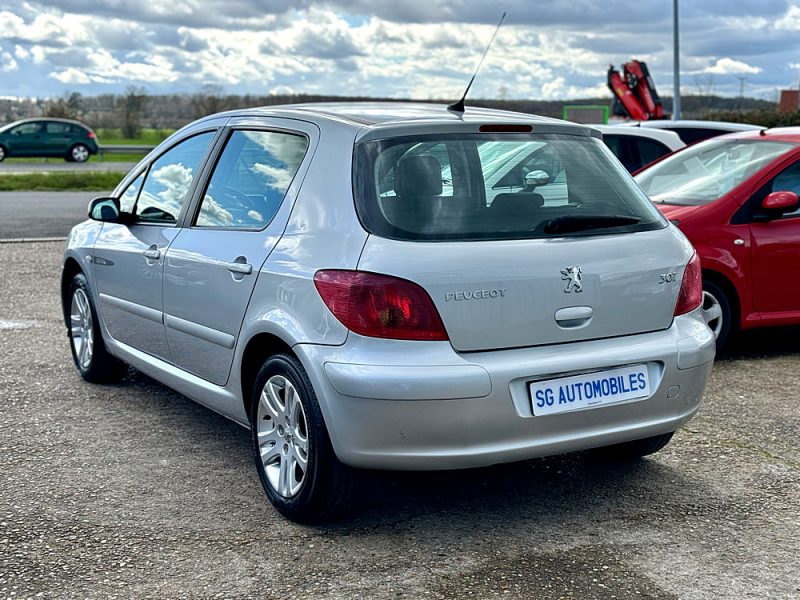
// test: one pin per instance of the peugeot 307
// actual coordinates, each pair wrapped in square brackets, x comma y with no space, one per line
[393,286]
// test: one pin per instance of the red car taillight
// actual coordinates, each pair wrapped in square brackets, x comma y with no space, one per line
[380,306]
[691,293]
[91,135]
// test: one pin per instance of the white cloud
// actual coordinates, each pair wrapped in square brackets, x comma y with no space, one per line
[791,20]
[71,76]
[7,62]
[729,66]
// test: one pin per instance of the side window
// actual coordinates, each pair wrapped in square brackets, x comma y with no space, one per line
[623,147]
[649,150]
[27,129]
[56,128]
[251,178]
[127,199]
[169,179]
[788,180]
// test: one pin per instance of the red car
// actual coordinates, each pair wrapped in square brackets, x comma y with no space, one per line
[736,199]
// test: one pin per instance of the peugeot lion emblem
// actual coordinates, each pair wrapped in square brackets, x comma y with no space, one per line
[572,275]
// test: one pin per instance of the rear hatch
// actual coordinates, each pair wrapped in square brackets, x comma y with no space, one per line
[520,240]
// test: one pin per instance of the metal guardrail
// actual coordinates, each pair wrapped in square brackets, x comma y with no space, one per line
[123,149]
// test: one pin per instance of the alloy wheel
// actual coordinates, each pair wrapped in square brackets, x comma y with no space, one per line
[80,153]
[282,434]
[81,329]
[712,313]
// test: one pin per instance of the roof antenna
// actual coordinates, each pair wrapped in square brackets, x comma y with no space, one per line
[459,106]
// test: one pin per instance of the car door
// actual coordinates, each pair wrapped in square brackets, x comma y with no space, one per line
[212,265]
[26,139]
[128,258]
[776,249]
[56,138]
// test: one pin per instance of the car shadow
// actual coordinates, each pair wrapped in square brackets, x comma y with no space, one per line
[762,343]
[550,490]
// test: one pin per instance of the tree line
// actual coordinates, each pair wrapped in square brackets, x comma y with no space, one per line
[136,108]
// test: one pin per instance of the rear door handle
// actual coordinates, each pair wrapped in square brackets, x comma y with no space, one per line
[152,252]
[239,266]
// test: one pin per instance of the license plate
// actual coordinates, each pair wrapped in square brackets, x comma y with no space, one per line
[589,390]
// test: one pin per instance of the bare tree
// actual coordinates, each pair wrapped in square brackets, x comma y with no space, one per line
[208,100]
[130,108]
[705,89]
[69,106]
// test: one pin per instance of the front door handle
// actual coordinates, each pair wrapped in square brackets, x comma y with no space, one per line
[242,268]
[152,252]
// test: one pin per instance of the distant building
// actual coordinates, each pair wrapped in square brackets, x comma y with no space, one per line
[790,100]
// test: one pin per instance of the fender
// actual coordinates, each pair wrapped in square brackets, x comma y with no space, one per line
[724,264]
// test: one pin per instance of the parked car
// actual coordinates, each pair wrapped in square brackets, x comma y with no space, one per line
[343,280]
[736,199]
[636,147]
[48,137]
[695,131]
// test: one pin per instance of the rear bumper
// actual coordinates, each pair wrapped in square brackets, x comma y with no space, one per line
[421,405]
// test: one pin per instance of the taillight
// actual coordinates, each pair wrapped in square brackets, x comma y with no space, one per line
[380,306]
[91,135]
[691,293]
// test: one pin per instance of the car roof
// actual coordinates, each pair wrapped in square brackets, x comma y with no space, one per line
[38,119]
[386,115]
[695,124]
[665,136]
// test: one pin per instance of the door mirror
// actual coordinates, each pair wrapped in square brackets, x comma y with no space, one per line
[782,201]
[537,177]
[105,209]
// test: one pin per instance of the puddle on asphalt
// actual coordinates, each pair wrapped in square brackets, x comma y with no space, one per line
[17,324]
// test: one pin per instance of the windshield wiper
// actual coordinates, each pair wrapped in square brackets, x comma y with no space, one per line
[573,223]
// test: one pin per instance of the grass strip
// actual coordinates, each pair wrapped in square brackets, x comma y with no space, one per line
[87,181]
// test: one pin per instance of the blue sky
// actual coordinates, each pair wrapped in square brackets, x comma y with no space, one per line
[401,48]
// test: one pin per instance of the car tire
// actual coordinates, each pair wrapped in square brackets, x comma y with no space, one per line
[89,353]
[3,153]
[718,313]
[635,449]
[78,153]
[294,457]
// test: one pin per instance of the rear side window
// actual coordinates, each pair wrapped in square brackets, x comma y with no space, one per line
[504,186]
[169,179]
[649,151]
[58,128]
[251,178]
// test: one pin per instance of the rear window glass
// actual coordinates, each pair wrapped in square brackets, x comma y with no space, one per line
[504,186]
[56,128]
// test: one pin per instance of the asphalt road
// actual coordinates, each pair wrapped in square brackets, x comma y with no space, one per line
[42,214]
[133,491]
[57,164]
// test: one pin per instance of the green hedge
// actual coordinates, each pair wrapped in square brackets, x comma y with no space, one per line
[89,181]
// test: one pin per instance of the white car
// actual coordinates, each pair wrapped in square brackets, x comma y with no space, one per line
[695,131]
[636,147]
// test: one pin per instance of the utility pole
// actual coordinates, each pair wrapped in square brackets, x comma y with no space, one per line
[741,79]
[676,62]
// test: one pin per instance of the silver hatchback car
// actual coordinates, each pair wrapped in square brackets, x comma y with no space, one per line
[393,286]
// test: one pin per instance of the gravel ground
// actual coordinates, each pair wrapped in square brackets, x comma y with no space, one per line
[133,491]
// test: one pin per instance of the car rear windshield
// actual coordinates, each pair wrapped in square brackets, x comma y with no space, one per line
[496,186]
